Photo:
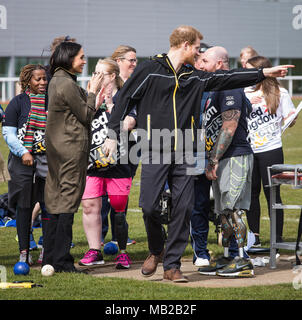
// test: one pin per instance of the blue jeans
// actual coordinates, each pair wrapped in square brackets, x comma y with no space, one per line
[199,226]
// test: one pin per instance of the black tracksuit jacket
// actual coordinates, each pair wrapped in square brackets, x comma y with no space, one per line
[166,99]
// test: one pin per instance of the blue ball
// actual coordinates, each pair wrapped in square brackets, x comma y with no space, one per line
[110,248]
[21,268]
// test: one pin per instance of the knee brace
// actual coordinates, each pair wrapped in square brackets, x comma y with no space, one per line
[121,230]
[239,227]
[227,228]
[118,202]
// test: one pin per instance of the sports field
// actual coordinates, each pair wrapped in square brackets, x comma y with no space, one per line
[87,287]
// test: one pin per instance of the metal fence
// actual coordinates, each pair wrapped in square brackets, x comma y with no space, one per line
[9,87]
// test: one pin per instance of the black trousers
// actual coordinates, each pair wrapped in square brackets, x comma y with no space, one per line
[57,240]
[262,160]
[153,179]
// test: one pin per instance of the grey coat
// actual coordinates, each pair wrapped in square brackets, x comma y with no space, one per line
[70,112]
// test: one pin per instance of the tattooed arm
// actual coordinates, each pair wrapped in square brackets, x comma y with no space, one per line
[230,120]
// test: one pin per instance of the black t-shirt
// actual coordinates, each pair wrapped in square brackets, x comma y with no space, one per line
[99,130]
[218,102]
[16,115]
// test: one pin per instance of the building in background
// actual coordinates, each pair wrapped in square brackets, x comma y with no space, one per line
[27,28]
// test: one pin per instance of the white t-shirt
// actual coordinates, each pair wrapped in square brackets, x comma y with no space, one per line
[265,128]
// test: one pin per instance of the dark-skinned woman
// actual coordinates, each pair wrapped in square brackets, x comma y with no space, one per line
[23,130]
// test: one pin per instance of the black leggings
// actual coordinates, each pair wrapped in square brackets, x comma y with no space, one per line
[23,223]
[263,160]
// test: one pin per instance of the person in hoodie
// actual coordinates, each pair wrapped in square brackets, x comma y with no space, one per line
[167,91]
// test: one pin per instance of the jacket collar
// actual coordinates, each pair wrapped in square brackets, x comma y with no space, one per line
[61,72]
[164,60]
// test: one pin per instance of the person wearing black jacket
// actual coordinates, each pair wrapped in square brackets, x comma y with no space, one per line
[167,92]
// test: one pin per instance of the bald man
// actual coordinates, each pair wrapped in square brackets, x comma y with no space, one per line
[230,163]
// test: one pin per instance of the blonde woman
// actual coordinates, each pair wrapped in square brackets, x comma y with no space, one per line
[247,53]
[125,56]
[102,177]
[271,106]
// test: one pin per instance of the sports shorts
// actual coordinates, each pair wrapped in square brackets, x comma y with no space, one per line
[232,189]
[98,186]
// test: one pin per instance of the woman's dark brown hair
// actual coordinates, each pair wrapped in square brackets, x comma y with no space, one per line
[63,55]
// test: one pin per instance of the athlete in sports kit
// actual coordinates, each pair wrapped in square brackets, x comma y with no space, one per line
[105,175]
[229,166]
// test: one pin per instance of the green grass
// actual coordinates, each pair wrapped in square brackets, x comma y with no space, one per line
[81,287]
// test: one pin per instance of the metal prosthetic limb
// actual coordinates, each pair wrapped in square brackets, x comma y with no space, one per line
[239,229]
[227,231]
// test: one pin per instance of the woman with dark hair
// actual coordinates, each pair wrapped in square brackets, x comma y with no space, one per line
[24,131]
[271,106]
[70,112]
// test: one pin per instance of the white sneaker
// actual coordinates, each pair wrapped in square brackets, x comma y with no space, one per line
[200,262]
[22,257]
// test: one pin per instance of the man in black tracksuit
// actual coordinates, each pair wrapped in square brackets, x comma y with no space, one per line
[167,91]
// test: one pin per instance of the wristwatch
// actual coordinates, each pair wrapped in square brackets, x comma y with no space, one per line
[213,162]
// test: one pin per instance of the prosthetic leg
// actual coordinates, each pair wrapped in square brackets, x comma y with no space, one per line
[239,229]
[231,223]
[239,266]
[227,231]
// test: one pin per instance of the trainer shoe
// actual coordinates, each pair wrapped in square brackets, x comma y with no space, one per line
[23,258]
[122,261]
[238,267]
[201,262]
[40,259]
[130,242]
[214,266]
[92,257]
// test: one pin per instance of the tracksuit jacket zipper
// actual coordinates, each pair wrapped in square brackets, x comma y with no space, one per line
[174,101]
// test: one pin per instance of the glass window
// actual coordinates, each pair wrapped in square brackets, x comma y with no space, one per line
[297,71]
[92,61]
[4,61]
[20,62]
[233,62]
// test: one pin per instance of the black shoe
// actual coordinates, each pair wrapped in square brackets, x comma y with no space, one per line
[238,267]
[214,266]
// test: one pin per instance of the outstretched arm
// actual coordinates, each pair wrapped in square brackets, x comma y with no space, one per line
[278,71]
[239,78]
[230,120]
